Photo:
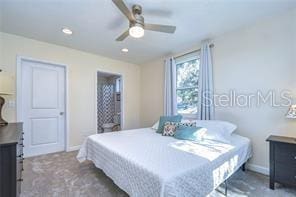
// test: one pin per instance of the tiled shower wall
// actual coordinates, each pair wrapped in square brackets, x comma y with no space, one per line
[105,100]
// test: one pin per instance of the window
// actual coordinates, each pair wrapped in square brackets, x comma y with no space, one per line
[187,84]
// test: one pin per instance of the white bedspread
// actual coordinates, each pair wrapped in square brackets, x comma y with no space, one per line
[144,163]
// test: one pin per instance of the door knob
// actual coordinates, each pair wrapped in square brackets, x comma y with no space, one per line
[61,113]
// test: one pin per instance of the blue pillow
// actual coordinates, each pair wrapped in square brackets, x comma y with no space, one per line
[164,119]
[188,133]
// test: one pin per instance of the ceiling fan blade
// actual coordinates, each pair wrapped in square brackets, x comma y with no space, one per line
[123,36]
[161,28]
[124,9]
[158,12]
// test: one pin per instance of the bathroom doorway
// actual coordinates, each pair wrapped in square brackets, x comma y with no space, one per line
[109,102]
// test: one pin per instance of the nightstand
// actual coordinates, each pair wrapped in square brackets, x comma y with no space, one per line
[282,160]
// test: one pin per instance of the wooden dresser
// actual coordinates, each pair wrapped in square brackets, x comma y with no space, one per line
[11,159]
[282,159]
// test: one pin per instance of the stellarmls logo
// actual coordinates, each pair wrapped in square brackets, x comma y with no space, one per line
[233,98]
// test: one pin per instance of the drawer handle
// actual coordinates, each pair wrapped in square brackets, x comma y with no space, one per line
[20,180]
[21,155]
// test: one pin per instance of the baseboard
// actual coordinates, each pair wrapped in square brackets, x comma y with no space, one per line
[257,168]
[73,148]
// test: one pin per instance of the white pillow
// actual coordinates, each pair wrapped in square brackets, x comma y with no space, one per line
[155,126]
[188,120]
[217,130]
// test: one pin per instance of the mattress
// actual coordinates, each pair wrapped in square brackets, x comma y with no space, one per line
[145,163]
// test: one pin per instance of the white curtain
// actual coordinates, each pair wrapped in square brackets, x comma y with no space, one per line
[170,103]
[205,109]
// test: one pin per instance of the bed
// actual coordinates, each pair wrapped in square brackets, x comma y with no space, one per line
[145,163]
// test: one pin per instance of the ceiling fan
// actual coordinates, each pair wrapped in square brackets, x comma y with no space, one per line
[136,22]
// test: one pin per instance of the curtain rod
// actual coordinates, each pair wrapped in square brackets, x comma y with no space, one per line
[211,46]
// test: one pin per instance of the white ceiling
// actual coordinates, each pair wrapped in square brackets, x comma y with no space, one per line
[96,23]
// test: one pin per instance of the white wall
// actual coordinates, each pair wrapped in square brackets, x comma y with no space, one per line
[82,79]
[152,84]
[259,57]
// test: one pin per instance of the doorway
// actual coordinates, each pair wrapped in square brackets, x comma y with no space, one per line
[41,106]
[109,102]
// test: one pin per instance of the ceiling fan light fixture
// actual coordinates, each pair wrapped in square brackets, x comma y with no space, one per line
[67,31]
[137,25]
[125,50]
[136,31]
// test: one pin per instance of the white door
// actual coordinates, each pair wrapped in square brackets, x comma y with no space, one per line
[43,107]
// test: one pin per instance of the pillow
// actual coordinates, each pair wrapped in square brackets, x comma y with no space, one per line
[217,125]
[164,119]
[182,124]
[217,130]
[189,133]
[155,126]
[188,120]
[171,127]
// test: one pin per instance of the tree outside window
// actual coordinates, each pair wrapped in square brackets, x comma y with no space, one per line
[187,86]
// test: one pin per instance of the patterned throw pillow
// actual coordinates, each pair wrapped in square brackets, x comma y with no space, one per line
[171,127]
[183,124]
[164,119]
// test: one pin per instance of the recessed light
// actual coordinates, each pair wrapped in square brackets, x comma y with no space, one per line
[125,50]
[67,31]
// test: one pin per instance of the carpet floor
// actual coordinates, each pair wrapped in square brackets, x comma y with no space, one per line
[61,175]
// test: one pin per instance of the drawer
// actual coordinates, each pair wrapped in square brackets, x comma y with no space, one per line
[21,138]
[19,174]
[19,168]
[18,188]
[19,150]
[285,153]
[285,174]
[19,181]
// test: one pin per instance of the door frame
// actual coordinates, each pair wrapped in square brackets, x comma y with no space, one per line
[122,115]
[19,107]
